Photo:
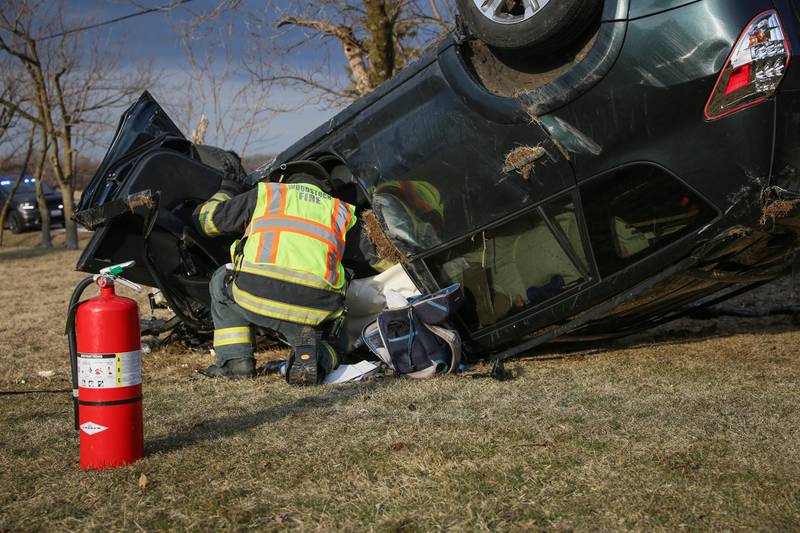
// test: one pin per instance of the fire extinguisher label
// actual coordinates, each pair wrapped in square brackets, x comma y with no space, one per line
[90,428]
[109,370]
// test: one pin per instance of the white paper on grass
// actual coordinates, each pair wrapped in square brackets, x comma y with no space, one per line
[349,373]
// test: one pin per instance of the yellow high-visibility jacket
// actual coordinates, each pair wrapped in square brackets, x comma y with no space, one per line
[290,265]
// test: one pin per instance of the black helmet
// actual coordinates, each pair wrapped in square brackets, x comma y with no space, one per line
[303,171]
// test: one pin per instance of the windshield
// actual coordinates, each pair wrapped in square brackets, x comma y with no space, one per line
[28,185]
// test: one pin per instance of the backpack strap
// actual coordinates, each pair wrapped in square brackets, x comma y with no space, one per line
[453,340]
[372,338]
[425,373]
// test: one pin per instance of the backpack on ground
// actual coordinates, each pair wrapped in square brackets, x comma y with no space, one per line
[418,340]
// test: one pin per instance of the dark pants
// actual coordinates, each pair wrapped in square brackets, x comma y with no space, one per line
[233,327]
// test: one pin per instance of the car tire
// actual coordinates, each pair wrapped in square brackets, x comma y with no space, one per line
[15,224]
[554,25]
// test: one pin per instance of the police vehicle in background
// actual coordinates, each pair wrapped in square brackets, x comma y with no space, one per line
[23,213]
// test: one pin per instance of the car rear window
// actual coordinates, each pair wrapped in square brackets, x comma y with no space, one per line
[636,211]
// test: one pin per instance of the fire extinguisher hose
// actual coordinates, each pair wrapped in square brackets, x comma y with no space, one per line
[74,302]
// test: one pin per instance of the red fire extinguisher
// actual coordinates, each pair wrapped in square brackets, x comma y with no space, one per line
[106,360]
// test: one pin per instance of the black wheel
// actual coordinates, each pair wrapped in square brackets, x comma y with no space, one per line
[15,225]
[537,26]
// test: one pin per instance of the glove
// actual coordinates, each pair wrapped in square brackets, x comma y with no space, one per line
[234,188]
[232,167]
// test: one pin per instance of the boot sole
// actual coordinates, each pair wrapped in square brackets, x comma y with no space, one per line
[303,372]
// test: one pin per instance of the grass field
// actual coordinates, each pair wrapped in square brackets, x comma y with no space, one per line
[695,426]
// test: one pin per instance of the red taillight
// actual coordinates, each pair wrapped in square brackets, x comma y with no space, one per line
[754,68]
[739,78]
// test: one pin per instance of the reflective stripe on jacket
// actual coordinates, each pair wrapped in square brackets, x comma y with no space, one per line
[207,211]
[227,212]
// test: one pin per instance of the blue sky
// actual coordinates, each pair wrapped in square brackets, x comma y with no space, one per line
[155,36]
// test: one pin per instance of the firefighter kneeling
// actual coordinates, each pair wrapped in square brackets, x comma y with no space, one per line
[287,273]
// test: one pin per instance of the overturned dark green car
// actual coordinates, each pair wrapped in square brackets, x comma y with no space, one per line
[638,164]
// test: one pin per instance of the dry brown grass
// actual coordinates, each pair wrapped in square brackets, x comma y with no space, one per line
[523,160]
[384,247]
[675,430]
[778,209]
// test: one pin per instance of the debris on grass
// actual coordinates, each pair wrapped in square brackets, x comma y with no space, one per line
[523,160]
[375,234]
[777,210]
[740,231]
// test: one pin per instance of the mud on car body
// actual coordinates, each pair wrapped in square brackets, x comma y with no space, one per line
[640,170]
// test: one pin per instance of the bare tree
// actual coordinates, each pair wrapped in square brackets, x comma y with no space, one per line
[72,81]
[376,37]
[44,210]
[348,47]
[325,52]
[13,189]
[7,114]
[217,100]
[10,76]
[198,135]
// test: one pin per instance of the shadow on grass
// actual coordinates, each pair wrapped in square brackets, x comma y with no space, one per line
[665,336]
[219,428]
[28,245]
[708,331]
[28,253]
[33,391]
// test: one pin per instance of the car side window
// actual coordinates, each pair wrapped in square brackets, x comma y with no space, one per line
[636,211]
[516,266]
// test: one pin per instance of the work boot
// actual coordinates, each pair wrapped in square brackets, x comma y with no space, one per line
[241,368]
[303,365]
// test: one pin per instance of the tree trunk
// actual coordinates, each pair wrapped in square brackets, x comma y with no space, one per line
[44,215]
[355,59]
[352,47]
[67,185]
[14,187]
[69,207]
[381,43]
[7,204]
[199,133]
[44,212]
